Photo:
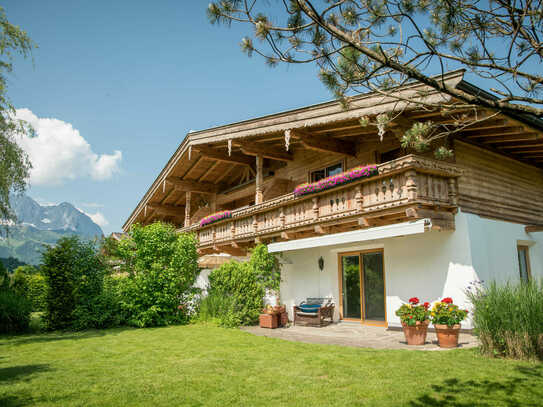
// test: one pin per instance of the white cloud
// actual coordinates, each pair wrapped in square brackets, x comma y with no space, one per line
[97,218]
[59,153]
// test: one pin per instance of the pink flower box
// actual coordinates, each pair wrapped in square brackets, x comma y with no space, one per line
[215,217]
[336,180]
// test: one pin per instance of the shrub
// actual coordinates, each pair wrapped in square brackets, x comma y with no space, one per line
[508,319]
[161,268]
[239,282]
[37,292]
[74,273]
[266,267]
[14,312]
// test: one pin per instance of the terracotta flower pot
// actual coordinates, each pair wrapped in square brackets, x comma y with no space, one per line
[416,334]
[447,336]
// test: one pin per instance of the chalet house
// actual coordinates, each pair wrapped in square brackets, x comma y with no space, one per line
[400,225]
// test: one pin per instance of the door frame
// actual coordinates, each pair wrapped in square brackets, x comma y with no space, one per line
[360,253]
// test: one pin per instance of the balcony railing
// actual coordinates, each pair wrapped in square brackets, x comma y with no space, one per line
[410,181]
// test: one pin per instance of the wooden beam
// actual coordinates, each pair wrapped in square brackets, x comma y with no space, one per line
[321,230]
[209,170]
[270,152]
[520,146]
[512,139]
[286,236]
[533,228]
[223,156]
[168,210]
[506,131]
[326,143]
[193,186]
[193,167]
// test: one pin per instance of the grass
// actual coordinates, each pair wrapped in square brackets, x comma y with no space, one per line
[202,364]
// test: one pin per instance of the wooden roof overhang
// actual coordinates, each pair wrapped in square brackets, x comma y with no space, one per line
[207,161]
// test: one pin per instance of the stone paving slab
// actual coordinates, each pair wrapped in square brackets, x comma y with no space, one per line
[356,335]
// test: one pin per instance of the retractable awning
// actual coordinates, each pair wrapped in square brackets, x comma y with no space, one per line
[355,236]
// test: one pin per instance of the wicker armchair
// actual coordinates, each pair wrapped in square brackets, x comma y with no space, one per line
[314,312]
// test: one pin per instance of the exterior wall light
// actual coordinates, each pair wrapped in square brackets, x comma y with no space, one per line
[321,263]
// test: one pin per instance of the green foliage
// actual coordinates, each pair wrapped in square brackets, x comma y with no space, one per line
[15,312]
[241,284]
[74,273]
[508,319]
[236,290]
[19,282]
[14,163]
[213,306]
[161,268]
[266,267]
[37,292]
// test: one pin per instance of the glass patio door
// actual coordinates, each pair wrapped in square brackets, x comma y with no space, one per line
[362,286]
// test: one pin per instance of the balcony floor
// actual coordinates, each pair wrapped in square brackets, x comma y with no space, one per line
[356,335]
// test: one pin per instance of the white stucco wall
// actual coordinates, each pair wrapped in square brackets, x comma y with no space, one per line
[430,266]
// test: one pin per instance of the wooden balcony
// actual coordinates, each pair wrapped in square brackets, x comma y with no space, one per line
[411,187]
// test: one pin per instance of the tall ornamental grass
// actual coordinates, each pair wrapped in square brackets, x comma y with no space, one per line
[508,319]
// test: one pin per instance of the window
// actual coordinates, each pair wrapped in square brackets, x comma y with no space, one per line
[326,172]
[524,262]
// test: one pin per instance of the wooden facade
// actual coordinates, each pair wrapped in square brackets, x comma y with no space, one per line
[252,167]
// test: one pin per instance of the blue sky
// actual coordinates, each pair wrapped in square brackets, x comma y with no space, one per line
[133,76]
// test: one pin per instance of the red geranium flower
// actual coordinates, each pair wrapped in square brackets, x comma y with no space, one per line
[414,300]
[426,305]
[447,300]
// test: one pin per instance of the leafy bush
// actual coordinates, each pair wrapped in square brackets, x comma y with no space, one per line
[14,312]
[508,319]
[37,292]
[239,282]
[74,273]
[161,268]
[266,266]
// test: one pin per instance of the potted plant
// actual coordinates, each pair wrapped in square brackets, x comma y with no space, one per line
[446,318]
[414,317]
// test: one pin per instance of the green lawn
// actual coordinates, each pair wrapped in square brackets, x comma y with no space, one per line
[203,365]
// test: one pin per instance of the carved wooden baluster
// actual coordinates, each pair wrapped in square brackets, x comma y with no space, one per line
[315,208]
[411,185]
[233,229]
[214,234]
[282,217]
[452,191]
[358,198]
[255,224]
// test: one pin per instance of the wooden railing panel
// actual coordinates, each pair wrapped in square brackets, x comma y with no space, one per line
[406,181]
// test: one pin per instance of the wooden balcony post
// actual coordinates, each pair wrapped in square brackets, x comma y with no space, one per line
[282,217]
[411,185]
[187,209]
[259,180]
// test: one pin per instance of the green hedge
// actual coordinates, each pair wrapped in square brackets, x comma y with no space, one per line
[14,312]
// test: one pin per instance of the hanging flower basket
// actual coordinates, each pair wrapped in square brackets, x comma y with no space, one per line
[215,217]
[336,180]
